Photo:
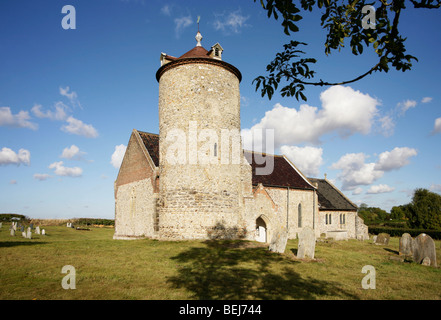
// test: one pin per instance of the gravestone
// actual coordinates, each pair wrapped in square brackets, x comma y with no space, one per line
[22,228]
[278,241]
[426,261]
[23,234]
[31,226]
[43,232]
[306,247]
[12,232]
[374,238]
[29,233]
[382,239]
[1,224]
[37,230]
[406,245]
[423,247]
[14,226]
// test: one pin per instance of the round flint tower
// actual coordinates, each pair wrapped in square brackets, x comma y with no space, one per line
[200,151]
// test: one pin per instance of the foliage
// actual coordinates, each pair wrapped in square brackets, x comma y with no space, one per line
[398,232]
[94,221]
[425,210]
[372,215]
[342,19]
[398,212]
[9,216]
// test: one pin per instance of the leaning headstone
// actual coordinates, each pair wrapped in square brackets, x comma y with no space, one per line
[14,226]
[37,230]
[424,246]
[406,245]
[382,239]
[43,232]
[12,232]
[306,247]
[29,233]
[278,241]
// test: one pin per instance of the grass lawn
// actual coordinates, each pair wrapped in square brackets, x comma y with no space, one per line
[161,270]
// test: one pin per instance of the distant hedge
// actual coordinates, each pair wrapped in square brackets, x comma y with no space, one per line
[9,216]
[94,221]
[398,232]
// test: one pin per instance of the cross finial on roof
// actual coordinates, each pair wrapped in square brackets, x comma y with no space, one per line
[198,35]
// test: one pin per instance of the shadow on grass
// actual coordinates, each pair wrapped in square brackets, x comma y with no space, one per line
[8,244]
[392,251]
[234,269]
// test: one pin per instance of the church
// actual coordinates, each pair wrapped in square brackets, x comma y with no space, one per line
[194,180]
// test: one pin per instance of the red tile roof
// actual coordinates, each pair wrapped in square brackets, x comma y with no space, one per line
[284,173]
[151,143]
[196,52]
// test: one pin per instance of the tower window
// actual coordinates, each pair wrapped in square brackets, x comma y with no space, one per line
[216,52]
[215,150]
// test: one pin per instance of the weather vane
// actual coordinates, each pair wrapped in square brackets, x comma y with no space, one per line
[199,18]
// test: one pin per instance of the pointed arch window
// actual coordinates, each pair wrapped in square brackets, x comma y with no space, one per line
[299,210]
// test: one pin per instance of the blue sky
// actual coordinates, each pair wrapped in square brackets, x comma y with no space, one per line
[70,98]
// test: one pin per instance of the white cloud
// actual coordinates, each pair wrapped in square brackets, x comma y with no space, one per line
[166,10]
[77,127]
[406,105]
[8,156]
[118,155]
[19,120]
[381,188]
[344,111]
[72,96]
[387,125]
[357,191]
[395,159]
[437,126]
[426,100]
[307,159]
[58,114]
[182,23]
[436,188]
[73,152]
[234,21]
[61,170]
[355,171]
[41,176]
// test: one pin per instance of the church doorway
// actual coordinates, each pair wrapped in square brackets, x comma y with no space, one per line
[261,230]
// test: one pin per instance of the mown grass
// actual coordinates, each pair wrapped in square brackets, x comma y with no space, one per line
[161,270]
